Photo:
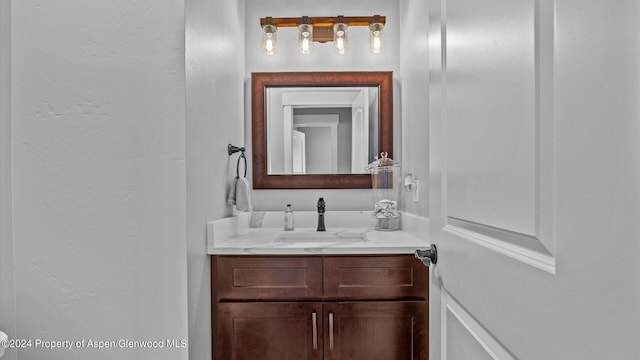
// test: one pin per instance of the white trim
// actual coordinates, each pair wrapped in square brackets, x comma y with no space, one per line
[301,97]
[480,334]
[360,132]
[443,323]
[525,255]
[287,129]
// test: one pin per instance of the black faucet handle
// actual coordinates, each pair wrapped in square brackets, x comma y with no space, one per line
[321,206]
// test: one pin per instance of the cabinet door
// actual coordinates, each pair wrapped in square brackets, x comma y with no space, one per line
[278,331]
[376,330]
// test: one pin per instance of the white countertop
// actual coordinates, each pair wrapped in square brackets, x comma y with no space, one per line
[234,236]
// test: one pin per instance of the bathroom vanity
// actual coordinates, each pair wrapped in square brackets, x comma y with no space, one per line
[348,293]
[320,307]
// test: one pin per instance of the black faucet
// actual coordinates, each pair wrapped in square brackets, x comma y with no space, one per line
[321,215]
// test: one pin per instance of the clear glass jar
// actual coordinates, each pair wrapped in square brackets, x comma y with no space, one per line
[386,184]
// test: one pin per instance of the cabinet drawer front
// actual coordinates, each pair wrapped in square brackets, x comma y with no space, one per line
[378,277]
[266,278]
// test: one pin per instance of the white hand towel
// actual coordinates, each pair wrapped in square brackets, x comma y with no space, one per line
[231,196]
[243,195]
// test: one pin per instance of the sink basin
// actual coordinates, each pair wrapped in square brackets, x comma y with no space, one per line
[321,236]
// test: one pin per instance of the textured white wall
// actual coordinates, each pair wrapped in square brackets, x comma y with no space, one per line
[214,68]
[322,58]
[7,299]
[99,200]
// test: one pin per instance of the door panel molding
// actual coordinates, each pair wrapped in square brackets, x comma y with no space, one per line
[480,212]
[488,342]
[490,139]
[521,247]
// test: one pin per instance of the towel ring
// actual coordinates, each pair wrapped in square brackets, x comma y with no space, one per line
[238,165]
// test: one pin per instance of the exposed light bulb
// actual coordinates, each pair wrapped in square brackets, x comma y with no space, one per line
[269,39]
[340,37]
[305,37]
[304,47]
[340,45]
[268,47]
[377,44]
[376,37]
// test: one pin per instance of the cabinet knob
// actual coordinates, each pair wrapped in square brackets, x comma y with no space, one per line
[428,256]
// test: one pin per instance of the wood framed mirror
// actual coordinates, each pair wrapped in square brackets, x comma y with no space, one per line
[319,130]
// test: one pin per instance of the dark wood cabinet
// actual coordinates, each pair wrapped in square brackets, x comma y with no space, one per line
[376,330]
[375,278]
[264,330]
[268,278]
[319,307]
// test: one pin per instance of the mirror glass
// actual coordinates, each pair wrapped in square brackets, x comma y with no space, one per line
[321,130]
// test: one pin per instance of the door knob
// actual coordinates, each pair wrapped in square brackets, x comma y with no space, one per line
[428,256]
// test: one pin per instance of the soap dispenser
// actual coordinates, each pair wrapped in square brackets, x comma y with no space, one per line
[288,218]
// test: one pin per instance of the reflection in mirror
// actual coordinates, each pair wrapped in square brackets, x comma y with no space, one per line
[318,130]
[321,130]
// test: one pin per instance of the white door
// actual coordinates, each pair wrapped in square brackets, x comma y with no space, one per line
[535,179]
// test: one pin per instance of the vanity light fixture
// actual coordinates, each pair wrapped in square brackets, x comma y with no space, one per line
[322,30]
[269,38]
[376,35]
[340,35]
[305,36]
